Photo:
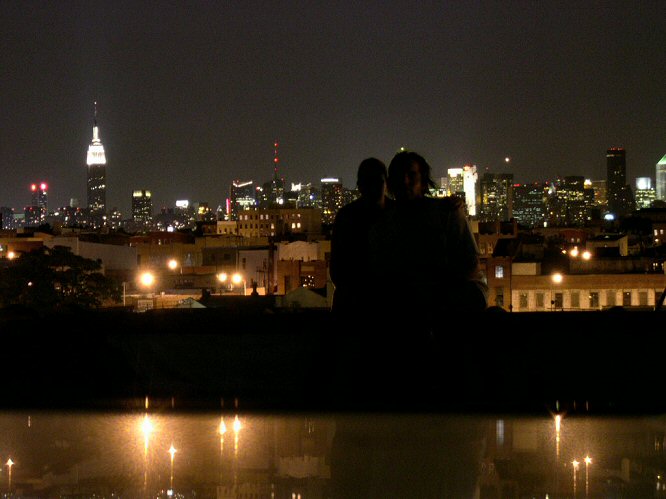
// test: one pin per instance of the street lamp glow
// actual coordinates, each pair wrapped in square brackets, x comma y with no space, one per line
[147,279]
[586,255]
[236,278]
[222,277]
[173,264]
[237,424]
[574,252]
[223,427]
[557,278]
[11,255]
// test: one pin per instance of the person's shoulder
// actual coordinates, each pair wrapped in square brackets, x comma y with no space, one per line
[450,203]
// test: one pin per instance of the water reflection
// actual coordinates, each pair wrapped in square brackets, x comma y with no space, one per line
[238,455]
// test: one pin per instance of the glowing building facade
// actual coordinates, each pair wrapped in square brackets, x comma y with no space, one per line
[96,161]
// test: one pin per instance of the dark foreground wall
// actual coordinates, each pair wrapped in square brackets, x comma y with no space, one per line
[601,362]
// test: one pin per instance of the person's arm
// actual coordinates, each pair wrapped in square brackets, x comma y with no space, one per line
[466,254]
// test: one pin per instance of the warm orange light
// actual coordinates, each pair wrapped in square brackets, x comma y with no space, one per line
[11,255]
[588,460]
[223,427]
[237,278]
[172,451]
[574,252]
[557,278]
[222,277]
[586,255]
[575,464]
[237,424]
[147,279]
[173,264]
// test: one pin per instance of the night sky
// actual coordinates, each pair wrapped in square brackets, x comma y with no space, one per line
[193,94]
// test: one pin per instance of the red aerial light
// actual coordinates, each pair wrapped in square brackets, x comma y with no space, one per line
[275,160]
[43,186]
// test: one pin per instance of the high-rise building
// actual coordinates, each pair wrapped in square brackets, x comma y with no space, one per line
[96,162]
[332,199]
[572,193]
[142,208]
[620,197]
[645,194]
[39,203]
[242,197]
[496,197]
[661,179]
[462,182]
[529,207]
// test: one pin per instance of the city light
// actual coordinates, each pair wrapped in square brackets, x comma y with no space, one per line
[147,279]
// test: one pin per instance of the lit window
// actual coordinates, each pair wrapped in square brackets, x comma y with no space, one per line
[499,271]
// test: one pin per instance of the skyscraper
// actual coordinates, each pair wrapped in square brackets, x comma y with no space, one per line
[40,198]
[96,162]
[620,197]
[661,179]
[142,208]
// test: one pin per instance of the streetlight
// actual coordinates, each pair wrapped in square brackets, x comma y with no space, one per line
[223,278]
[9,465]
[556,278]
[575,468]
[237,278]
[588,461]
[172,451]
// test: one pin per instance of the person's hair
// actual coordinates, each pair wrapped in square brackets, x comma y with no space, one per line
[400,164]
[371,175]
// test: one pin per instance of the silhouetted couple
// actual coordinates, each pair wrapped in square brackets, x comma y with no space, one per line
[406,255]
[406,268]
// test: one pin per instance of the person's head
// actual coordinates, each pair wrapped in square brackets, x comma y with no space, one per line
[371,178]
[409,176]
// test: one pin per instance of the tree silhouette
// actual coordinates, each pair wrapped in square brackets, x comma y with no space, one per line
[55,278]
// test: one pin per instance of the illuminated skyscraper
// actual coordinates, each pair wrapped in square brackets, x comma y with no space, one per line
[661,179]
[242,197]
[332,199]
[142,208]
[39,197]
[645,194]
[96,162]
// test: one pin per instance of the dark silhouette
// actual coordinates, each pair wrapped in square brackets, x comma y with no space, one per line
[424,255]
[349,265]
[424,266]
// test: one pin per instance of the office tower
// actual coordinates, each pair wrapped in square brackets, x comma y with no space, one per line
[39,203]
[39,196]
[620,197]
[241,196]
[470,180]
[455,181]
[600,193]
[529,207]
[661,179]
[308,196]
[572,195]
[142,208]
[462,182]
[496,197]
[645,194]
[96,162]
[332,199]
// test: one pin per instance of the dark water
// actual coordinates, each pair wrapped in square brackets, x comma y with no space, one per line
[259,455]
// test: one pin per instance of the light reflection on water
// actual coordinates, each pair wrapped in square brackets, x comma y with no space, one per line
[234,454]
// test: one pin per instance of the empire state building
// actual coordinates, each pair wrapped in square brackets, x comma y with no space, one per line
[96,162]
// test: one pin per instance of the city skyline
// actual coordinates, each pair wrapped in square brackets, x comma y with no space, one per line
[192,97]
